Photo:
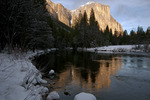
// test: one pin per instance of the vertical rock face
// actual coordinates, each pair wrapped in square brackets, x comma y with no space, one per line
[102,14]
[58,11]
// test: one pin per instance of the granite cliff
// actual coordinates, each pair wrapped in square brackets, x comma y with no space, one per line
[59,12]
[102,14]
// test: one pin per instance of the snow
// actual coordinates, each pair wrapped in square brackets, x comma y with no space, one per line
[112,48]
[51,72]
[53,96]
[117,49]
[84,96]
[18,77]
[88,3]
[71,21]
[73,10]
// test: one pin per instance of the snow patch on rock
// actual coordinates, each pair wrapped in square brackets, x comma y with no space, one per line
[90,2]
[51,72]
[84,96]
[53,96]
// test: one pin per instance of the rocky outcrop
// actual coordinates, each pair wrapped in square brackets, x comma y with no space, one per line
[102,14]
[58,11]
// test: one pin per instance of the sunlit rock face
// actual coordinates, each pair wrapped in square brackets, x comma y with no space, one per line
[58,11]
[102,14]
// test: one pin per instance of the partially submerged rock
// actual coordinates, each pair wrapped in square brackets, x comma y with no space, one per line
[51,72]
[84,96]
[53,96]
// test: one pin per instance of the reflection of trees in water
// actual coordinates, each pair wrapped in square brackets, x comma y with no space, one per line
[87,66]
[88,70]
[52,60]
[97,73]
[136,62]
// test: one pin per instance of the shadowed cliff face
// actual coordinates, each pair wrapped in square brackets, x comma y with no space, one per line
[102,14]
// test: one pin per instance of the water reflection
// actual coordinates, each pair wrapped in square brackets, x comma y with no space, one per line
[87,70]
[136,62]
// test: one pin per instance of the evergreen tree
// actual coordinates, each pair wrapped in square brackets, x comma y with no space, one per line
[110,36]
[125,37]
[119,38]
[83,30]
[24,23]
[133,37]
[148,35]
[115,39]
[93,31]
[92,21]
[141,35]
[106,36]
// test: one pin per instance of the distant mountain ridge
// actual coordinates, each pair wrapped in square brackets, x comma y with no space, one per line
[102,14]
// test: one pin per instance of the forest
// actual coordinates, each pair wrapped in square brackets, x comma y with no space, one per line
[27,25]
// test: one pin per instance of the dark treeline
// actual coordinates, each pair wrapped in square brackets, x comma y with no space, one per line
[28,25]
[137,38]
[24,25]
[87,34]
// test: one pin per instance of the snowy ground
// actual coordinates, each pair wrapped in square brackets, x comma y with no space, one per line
[112,48]
[20,80]
[118,49]
[19,77]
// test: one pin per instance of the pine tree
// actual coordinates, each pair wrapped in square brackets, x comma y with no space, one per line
[125,37]
[148,35]
[94,33]
[140,35]
[133,37]
[110,36]
[83,30]
[106,36]
[92,21]
[115,38]
[24,23]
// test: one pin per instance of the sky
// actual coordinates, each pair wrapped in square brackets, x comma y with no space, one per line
[129,13]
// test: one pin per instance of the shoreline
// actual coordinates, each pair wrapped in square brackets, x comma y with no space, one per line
[20,79]
[117,49]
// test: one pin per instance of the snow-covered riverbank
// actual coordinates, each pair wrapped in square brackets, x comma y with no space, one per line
[19,77]
[20,80]
[119,49]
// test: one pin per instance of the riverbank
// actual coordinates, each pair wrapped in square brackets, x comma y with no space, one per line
[19,78]
[120,49]
[119,77]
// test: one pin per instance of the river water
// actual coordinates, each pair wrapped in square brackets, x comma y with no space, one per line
[108,77]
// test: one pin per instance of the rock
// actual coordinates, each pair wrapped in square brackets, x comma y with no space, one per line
[51,72]
[43,81]
[84,96]
[102,14]
[67,93]
[59,12]
[53,96]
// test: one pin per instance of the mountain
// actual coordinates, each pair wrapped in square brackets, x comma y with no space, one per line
[59,12]
[102,14]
